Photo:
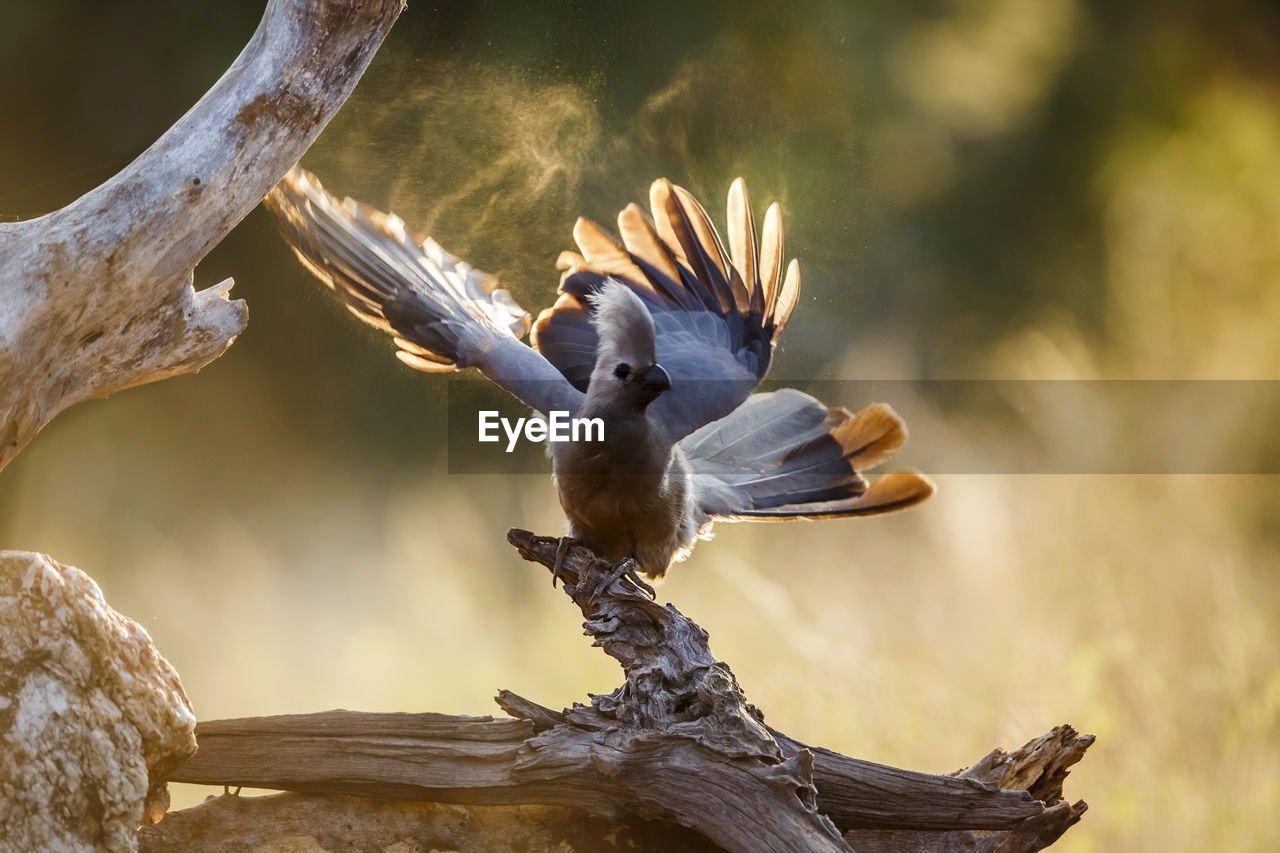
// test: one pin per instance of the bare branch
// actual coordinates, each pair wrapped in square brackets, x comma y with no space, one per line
[231,824]
[677,742]
[98,296]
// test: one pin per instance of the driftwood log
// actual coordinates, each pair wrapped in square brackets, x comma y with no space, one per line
[673,759]
[98,296]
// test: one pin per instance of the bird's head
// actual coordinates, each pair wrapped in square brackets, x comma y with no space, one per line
[626,361]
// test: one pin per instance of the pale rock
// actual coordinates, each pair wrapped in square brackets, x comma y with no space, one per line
[92,718]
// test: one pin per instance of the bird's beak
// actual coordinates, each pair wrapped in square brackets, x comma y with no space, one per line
[656,379]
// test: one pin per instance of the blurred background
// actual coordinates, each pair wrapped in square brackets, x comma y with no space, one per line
[1066,189]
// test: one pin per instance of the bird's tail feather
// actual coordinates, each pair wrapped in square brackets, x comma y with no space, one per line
[785,455]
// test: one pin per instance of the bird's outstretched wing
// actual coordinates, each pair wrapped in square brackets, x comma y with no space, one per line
[442,313]
[717,314]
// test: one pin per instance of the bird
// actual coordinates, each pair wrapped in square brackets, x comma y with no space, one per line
[663,335]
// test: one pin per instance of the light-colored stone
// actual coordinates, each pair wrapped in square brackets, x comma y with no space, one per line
[92,718]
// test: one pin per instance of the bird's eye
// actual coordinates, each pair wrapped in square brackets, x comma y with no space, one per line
[622,370]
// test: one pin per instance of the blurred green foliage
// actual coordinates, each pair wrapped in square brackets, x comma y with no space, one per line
[1003,189]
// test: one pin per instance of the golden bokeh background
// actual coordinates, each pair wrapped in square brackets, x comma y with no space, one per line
[1066,189]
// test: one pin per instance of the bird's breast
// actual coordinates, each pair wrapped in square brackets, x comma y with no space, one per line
[624,506]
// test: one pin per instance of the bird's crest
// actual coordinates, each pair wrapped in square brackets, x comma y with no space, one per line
[623,325]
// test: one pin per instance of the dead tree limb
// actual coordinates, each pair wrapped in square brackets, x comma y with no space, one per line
[98,296]
[677,742]
[236,824]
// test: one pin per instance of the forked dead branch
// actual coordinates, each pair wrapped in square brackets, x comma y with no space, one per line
[677,747]
[98,296]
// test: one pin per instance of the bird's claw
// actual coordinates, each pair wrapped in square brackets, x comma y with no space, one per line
[562,551]
[625,568]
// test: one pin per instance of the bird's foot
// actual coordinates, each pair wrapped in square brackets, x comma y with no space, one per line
[562,551]
[625,568]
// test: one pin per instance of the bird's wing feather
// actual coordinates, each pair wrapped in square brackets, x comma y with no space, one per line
[442,313]
[717,314]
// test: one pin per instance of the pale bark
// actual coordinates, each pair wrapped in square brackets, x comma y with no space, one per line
[98,296]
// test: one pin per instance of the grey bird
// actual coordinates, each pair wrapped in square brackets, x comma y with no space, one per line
[664,336]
